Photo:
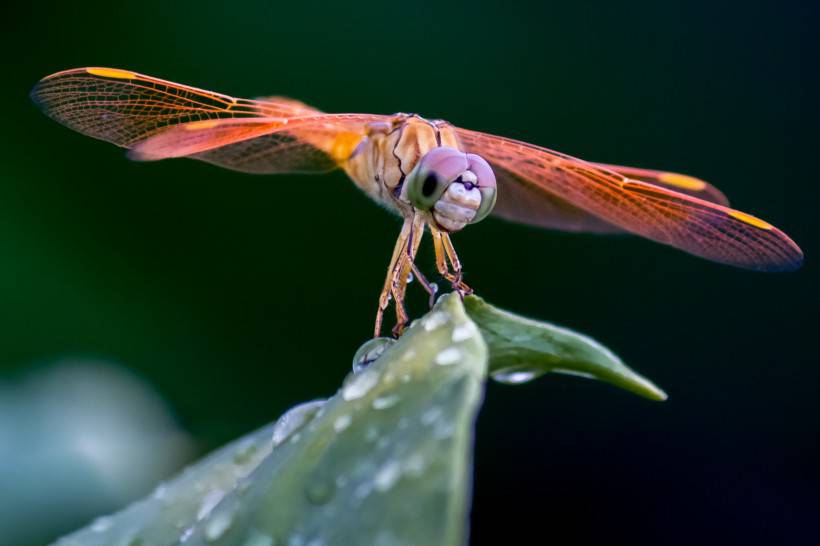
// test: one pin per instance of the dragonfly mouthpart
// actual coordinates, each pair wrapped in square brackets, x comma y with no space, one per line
[457,206]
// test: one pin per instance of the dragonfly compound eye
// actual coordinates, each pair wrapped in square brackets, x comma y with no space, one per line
[486,185]
[455,188]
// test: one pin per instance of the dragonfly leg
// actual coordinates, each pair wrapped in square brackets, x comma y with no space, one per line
[398,272]
[403,268]
[446,256]
[389,282]
[412,249]
[429,287]
[460,285]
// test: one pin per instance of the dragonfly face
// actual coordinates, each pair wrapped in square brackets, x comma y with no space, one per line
[405,166]
[452,188]
[438,177]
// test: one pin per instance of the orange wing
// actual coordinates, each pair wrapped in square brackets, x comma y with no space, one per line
[550,181]
[158,119]
[264,145]
[681,183]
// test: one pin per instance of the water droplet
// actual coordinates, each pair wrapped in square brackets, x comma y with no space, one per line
[386,476]
[410,277]
[357,385]
[408,355]
[448,356]
[384,402]
[362,490]
[463,332]
[218,526]
[186,534]
[295,419]
[160,492]
[370,351]
[342,422]
[320,490]
[414,464]
[515,375]
[209,503]
[431,415]
[101,524]
[434,287]
[434,320]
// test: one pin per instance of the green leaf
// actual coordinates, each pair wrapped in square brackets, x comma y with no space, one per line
[385,461]
[522,349]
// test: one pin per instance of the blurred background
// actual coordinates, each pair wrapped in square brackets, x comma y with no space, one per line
[152,312]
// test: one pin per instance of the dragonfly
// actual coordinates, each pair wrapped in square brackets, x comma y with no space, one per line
[438,177]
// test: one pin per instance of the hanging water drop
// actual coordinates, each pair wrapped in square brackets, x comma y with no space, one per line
[516,375]
[370,351]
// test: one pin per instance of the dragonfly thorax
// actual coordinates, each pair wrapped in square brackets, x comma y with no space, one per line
[413,165]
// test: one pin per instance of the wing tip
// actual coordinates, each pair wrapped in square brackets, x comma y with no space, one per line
[788,260]
[791,265]
[34,95]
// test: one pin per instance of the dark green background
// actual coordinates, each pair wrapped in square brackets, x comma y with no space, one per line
[238,296]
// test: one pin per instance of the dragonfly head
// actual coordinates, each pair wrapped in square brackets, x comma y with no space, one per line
[454,188]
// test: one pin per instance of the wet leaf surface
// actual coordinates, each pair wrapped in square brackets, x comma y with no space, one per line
[386,461]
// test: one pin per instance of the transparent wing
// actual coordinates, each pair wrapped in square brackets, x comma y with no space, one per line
[158,119]
[520,201]
[124,107]
[691,224]
[682,183]
[263,145]
[286,104]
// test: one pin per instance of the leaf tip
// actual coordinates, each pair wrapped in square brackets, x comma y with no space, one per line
[649,390]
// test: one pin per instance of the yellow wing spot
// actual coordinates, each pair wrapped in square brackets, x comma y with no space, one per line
[112,73]
[682,181]
[343,146]
[199,125]
[749,219]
